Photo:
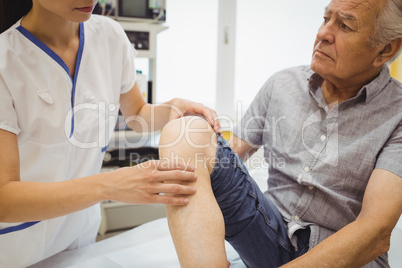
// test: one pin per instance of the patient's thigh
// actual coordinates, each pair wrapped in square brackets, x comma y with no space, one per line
[253,224]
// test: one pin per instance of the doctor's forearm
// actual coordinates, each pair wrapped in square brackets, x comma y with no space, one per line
[145,117]
[150,117]
[36,201]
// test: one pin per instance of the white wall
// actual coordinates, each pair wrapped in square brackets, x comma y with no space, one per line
[271,35]
[187,51]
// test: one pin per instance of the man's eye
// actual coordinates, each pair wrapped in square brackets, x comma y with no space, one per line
[345,27]
[326,20]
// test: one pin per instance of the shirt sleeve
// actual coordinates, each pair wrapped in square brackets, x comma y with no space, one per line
[251,126]
[8,116]
[390,157]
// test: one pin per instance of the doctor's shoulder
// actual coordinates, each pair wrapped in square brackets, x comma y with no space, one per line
[105,25]
[9,45]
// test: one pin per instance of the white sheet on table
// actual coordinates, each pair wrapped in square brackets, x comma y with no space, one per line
[149,245]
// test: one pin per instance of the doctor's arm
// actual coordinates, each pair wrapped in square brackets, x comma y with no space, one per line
[22,201]
[363,240]
[144,117]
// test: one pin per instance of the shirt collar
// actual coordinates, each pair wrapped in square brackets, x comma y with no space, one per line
[366,93]
[373,88]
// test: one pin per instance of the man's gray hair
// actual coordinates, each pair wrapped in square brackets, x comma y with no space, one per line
[388,25]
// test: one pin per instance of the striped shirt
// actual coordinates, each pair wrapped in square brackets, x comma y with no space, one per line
[320,160]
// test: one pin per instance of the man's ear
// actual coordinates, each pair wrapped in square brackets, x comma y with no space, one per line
[388,52]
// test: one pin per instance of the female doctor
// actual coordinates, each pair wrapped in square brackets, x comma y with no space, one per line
[64,75]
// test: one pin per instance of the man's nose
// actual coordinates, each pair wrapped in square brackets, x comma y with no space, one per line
[326,33]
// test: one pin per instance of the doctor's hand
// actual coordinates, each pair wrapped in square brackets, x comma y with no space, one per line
[181,108]
[143,183]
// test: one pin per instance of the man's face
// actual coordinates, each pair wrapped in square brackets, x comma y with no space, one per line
[342,51]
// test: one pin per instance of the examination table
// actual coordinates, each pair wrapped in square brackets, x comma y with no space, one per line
[150,245]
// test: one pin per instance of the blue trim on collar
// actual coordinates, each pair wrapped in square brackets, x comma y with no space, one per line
[56,58]
[44,47]
[18,227]
[77,67]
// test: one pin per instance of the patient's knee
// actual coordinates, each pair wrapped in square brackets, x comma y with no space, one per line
[191,130]
[186,136]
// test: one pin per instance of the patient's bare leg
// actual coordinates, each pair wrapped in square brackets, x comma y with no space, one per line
[198,228]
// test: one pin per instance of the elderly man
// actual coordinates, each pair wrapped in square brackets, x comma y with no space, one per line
[335,127]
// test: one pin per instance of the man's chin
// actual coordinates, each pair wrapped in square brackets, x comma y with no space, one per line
[318,68]
[314,67]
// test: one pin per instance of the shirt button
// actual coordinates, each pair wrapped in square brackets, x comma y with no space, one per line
[323,137]
[306,168]
[311,187]
[299,178]
[297,218]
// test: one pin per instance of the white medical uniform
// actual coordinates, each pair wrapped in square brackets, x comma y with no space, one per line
[56,142]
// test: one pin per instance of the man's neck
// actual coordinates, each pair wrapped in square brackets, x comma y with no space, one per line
[336,93]
[332,93]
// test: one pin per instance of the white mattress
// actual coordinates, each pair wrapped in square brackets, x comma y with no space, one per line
[149,245]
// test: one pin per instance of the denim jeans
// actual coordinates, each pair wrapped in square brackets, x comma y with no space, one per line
[253,224]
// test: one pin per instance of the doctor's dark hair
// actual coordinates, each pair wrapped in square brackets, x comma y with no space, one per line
[11,11]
